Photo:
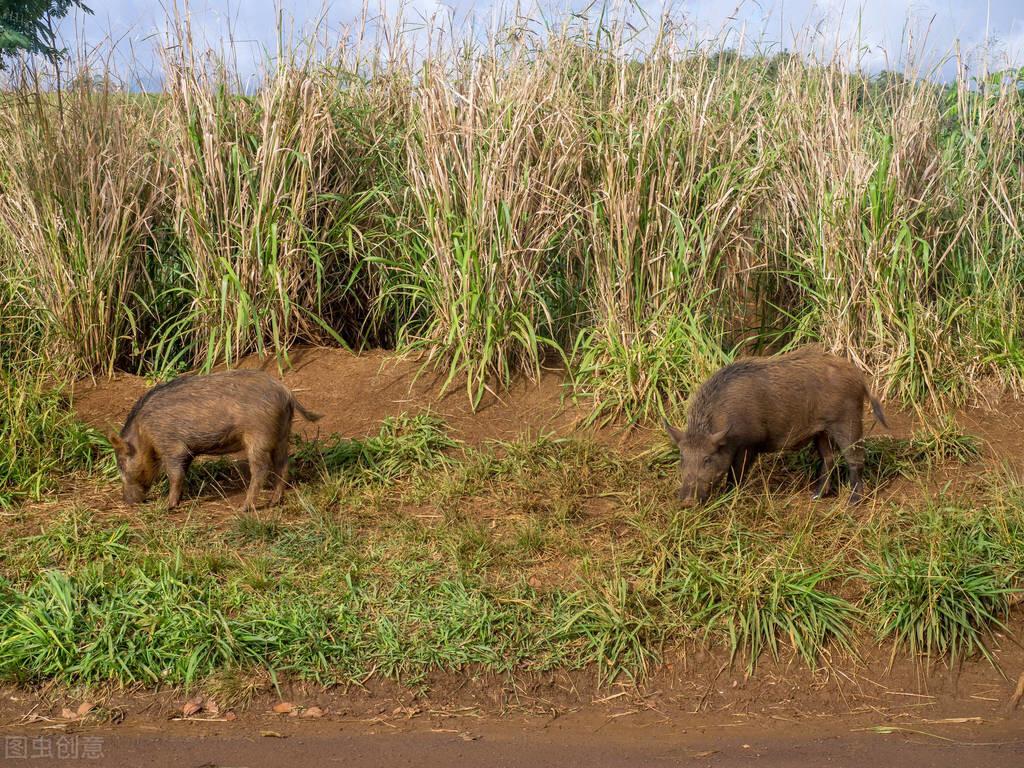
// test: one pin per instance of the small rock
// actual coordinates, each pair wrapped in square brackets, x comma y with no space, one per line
[284,708]
[313,712]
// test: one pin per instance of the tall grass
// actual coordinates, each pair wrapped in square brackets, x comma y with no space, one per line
[79,205]
[494,156]
[262,203]
[41,441]
[640,206]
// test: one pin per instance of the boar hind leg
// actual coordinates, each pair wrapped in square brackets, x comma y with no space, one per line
[849,444]
[259,469]
[280,471]
[176,467]
[823,485]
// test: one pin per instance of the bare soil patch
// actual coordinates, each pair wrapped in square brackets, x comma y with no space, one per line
[356,392]
[697,710]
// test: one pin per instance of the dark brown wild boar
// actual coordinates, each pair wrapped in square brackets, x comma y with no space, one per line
[213,415]
[760,405]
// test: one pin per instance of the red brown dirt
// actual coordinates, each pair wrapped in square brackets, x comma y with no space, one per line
[356,392]
[698,710]
[575,740]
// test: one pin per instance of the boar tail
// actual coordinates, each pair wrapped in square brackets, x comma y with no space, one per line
[876,408]
[307,415]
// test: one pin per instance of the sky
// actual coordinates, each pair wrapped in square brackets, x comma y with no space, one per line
[872,33]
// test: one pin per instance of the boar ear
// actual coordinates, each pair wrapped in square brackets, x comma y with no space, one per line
[122,446]
[718,438]
[675,434]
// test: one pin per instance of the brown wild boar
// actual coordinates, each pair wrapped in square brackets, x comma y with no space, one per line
[216,414]
[760,405]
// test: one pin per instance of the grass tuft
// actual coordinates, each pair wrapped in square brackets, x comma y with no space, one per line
[942,588]
[41,441]
[758,600]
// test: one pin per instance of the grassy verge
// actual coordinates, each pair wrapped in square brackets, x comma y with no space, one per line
[41,442]
[407,553]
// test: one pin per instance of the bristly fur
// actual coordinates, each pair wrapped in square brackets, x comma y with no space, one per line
[211,415]
[173,383]
[699,417]
[770,404]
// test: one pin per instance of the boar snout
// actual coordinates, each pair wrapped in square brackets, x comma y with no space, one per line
[688,496]
[133,493]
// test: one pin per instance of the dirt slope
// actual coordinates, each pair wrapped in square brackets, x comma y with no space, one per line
[356,392]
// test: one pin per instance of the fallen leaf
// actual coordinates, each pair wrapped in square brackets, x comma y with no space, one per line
[534,582]
[313,712]
[271,734]
[708,753]
[67,714]
[230,716]
[284,708]
[85,708]
[211,706]
[192,707]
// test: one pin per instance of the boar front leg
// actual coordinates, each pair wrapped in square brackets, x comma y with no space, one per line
[259,470]
[740,464]
[176,466]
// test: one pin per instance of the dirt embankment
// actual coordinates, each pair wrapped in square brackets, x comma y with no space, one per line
[698,710]
[356,392]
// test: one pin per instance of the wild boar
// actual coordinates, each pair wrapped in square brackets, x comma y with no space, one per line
[761,405]
[216,414]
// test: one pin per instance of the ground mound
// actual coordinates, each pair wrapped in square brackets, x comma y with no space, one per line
[356,392]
